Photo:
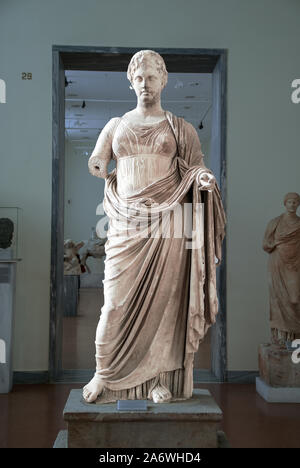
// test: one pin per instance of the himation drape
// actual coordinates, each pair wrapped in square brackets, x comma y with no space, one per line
[282,242]
[160,293]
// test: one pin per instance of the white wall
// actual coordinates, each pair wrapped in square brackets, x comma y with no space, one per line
[262,37]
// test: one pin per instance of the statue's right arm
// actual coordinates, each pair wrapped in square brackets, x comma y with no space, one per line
[268,241]
[98,166]
[102,153]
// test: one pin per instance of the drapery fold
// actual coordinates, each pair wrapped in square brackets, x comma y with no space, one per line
[282,242]
[159,289]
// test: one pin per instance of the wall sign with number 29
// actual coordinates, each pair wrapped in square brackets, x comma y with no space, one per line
[26,76]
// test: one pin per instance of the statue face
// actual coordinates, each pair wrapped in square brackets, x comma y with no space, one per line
[147,83]
[291,205]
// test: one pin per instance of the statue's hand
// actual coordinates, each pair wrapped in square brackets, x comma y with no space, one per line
[206,181]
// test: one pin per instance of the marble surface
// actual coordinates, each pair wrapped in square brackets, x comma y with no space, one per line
[160,165]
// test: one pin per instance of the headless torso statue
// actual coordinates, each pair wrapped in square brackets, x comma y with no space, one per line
[155,313]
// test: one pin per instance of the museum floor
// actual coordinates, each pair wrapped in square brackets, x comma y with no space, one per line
[31,416]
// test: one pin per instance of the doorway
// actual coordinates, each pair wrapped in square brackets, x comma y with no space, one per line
[181,63]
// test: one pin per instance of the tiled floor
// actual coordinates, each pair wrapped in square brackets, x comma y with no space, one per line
[31,416]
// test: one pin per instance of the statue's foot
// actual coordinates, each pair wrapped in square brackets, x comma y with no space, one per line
[93,389]
[161,394]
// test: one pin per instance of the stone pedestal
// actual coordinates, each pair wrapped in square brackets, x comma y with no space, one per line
[277,394]
[276,367]
[279,376]
[182,424]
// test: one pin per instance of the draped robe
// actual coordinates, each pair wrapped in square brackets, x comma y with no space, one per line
[160,293]
[282,242]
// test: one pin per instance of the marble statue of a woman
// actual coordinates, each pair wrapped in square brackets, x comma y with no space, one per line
[282,242]
[159,295]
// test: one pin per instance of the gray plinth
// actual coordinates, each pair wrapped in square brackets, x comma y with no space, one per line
[61,440]
[277,394]
[183,424]
[7,302]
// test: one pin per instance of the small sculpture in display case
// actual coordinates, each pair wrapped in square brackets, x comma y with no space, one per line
[160,294]
[6,237]
[282,242]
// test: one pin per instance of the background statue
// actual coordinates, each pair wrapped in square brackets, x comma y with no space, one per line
[72,261]
[159,292]
[93,248]
[282,242]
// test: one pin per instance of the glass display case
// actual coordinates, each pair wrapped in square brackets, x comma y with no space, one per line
[10,252]
[10,230]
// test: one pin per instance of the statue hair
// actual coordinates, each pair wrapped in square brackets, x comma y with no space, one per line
[146,56]
[293,195]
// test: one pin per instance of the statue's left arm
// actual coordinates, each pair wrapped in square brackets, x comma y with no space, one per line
[194,157]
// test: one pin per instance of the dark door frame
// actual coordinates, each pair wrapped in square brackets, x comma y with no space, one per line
[116,59]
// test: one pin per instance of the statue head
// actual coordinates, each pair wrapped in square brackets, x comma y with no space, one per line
[6,232]
[148,58]
[291,201]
